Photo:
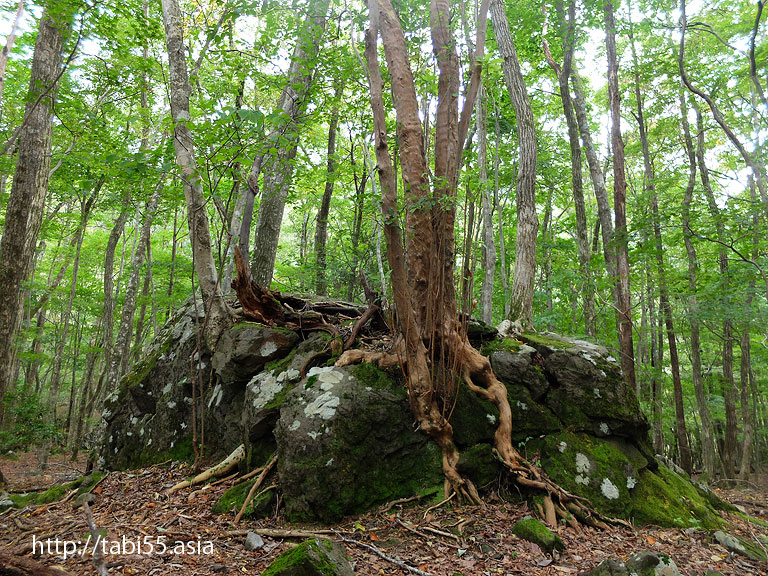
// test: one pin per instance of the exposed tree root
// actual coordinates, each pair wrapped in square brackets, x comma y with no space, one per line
[237,456]
[256,485]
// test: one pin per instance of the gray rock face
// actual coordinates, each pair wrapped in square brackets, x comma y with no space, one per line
[244,349]
[736,545]
[345,441]
[148,418]
[265,393]
[644,563]
[317,557]
[253,541]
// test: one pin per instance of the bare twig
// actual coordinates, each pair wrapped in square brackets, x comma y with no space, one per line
[383,556]
[98,557]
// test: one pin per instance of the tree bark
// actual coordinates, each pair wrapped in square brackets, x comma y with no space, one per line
[217,314]
[24,212]
[277,166]
[708,452]
[521,305]
[626,348]
[582,237]
[489,245]
[649,189]
[321,223]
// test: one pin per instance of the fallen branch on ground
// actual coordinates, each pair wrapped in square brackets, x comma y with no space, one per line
[256,485]
[237,456]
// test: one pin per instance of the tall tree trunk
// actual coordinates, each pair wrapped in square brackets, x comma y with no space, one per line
[217,314]
[321,225]
[489,245]
[502,248]
[708,452]
[521,305]
[277,167]
[626,348]
[582,236]
[87,205]
[120,358]
[24,211]
[649,189]
[145,296]
[730,453]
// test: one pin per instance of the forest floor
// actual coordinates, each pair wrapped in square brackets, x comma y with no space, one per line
[132,507]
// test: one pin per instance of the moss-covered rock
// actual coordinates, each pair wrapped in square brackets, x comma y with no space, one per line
[352,429]
[315,557]
[602,470]
[534,531]
[666,499]
[479,464]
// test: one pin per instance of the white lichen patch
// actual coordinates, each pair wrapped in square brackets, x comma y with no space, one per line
[330,462]
[134,420]
[295,425]
[332,377]
[491,418]
[596,391]
[313,435]
[183,425]
[141,431]
[588,357]
[611,359]
[604,428]
[631,482]
[172,404]
[317,370]
[609,489]
[288,375]
[218,394]
[580,479]
[167,388]
[265,387]
[562,447]
[582,463]
[324,406]
[268,348]
[522,405]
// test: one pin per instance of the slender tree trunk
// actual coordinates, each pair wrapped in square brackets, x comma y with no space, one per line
[626,348]
[145,296]
[649,189]
[730,453]
[657,379]
[489,245]
[321,225]
[73,385]
[119,360]
[499,215]
[217,315]
[24,212]
[709,454]
[277,167]
[582,236]
[521,306]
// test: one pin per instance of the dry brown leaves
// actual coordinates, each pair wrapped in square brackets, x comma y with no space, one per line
[445,541]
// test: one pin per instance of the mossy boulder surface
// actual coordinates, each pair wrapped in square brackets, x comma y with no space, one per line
[317,557]
[232,501]
[55,493]
[346,442]
[619,481]
[534,531]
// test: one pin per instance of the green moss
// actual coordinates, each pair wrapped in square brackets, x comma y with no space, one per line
[142,369]
[500,344]
[551,341]
[370,375]
[752,519]
[668,500]
[281,364]
[309,557]
[474,420]
[279,398]
[534,531]
[182,451]
[55,493]
[232,500]
[479,464]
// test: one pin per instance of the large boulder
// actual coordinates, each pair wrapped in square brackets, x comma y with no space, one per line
[148,418]
[346,441]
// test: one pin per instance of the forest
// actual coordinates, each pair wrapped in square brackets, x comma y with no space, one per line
[595,170]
